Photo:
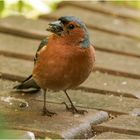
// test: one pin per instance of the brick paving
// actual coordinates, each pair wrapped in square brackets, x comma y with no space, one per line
[111,93]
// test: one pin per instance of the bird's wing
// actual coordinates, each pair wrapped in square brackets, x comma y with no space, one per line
[42,44]
[29,85]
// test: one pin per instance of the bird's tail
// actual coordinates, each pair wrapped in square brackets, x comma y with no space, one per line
[28,85]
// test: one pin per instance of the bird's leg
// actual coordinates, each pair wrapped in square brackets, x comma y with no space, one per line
[72,109]
[45,110]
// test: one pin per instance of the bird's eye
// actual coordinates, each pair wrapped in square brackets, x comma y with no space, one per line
[71,26]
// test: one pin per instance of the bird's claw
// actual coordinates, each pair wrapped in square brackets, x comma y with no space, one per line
[81,111]
[48,113]
[74,110]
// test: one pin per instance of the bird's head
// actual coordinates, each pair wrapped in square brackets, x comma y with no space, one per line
[72,29]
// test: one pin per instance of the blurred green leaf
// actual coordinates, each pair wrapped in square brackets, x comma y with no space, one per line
[20,6]
[128,3]
[34,8]
[28,8]
[1,6]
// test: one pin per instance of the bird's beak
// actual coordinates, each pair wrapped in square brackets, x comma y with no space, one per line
[55,27]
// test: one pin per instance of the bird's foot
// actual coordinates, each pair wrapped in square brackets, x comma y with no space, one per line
[48,113]
[74,110]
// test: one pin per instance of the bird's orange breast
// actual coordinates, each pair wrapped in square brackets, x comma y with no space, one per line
[61,66]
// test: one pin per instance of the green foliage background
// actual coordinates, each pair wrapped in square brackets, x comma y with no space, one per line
[127,3]
[33,8]
[28,8]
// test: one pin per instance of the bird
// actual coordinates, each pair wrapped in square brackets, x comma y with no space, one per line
[63,60]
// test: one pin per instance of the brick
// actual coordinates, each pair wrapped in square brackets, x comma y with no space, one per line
[112,135]
[63,125]
[101,40]
[120,85]
[80,98]
[20,22]
[119,44]
[22,46]
[6,85]
[122,66]
[100,21]
[105,83]
[24,30]
[112,62]
[54,127]
[29,118]
[93,100]
[117,62]
[107,8]
[123,124]
[15,66]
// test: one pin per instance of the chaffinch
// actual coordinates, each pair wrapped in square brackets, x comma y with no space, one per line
[63,60]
